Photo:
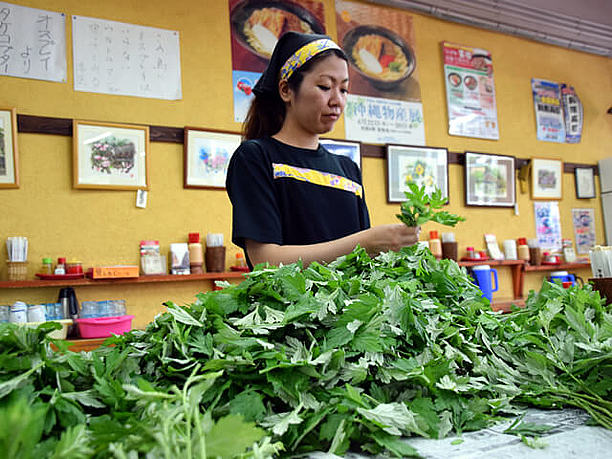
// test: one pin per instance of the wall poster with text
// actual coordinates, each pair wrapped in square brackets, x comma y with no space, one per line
[548,110]
[470,92]
[548,225]
[583,221]
[384,101]
[255,28]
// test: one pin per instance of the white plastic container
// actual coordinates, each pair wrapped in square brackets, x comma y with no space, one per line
[36,313]
[19,313]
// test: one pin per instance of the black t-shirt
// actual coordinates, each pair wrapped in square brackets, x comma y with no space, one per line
[293,196]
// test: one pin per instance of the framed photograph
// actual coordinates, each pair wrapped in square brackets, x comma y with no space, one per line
[489,180]
[110,156]
[425,166]
[546,178]
[9,159]
[206,157]
[344,148]
[585,182]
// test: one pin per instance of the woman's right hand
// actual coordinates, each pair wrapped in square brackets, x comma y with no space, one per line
[383,238]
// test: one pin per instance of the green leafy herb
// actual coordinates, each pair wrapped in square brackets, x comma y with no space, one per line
[420,206]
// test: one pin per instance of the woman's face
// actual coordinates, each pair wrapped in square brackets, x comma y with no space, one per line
[320,99]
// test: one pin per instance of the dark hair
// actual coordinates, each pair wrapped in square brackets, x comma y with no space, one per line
[266,114]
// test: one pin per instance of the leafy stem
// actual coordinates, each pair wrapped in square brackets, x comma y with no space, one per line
[419,208]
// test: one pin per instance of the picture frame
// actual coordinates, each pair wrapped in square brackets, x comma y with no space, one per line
[489,180]
[110,156]
[422,165]
[546,178]
[585,182]
[350,149]
[9,157]
[206,156]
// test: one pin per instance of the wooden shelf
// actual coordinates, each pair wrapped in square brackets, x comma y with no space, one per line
[36,283]
[504,304]
[491,263]
[558,267]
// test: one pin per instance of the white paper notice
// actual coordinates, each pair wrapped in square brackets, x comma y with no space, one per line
[377,120]
[32,43]
[125,59]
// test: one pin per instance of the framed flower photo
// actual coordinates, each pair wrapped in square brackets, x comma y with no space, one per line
[489,180]
[343,148]
[206,157]
[9,163]
[110,156]
[585,182]
[546,178]
[425,166]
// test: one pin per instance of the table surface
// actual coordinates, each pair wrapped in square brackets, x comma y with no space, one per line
[569,438]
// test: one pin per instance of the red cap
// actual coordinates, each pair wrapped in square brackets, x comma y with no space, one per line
[149,242]
[194,238]
[61,260]
[433,235]
[471,249]
[522,241]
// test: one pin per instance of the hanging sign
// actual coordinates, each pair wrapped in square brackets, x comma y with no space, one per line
[548,110]
[470,92]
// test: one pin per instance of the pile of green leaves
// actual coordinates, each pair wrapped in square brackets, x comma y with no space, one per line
[352,355]
[419,207]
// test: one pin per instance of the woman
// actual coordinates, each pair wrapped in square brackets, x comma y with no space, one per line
[291,198]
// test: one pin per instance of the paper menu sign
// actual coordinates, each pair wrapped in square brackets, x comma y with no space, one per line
[470,92]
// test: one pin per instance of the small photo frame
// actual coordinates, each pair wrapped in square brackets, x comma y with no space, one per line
[206,157]
[489,180]
[585,182]
[546,178]
[110,156]
[425,166]
[9,159]
[351,150]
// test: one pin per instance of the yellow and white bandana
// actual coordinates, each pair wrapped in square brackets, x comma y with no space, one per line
[316,177]
[304,54]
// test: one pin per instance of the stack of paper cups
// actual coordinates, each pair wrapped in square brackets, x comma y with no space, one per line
[510,249]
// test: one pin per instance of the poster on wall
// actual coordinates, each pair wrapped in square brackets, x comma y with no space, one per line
[583,221]
[124,59]
[548,110]
[470,92]
[384,104]
[573,113]
[255,27]
[32,43]
[548,225]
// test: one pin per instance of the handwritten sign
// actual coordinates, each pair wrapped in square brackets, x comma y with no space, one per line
[377,120]
[124,59]
[32,43]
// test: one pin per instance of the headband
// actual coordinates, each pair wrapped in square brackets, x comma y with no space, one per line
[304,54]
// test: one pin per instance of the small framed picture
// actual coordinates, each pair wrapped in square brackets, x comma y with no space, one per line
[489,180]
[546,178]
[9,159]
[343,148]
[206,157]
[585,182]
[425,166]
[110,156]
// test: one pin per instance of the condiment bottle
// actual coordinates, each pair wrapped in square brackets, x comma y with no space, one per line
[47,266]
[470,253]
[196,254]
[435,245]
[60,267]
[522,249]
[74,267]
[240,262]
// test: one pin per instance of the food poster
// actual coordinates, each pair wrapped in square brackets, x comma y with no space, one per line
[584,229]
[548,111]
[470,92]
[548,225]
[255,28]
[573,113]
[384,102]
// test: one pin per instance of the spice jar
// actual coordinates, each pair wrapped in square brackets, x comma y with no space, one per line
[47,266]
[60,267]
[74,267]
[435,245]
[522,249]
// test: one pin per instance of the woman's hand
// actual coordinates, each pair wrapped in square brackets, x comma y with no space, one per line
[382,238]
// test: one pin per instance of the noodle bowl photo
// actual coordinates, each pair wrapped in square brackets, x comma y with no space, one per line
[379,55]
[259,24]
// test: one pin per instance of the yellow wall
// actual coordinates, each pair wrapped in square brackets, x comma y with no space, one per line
[105,227]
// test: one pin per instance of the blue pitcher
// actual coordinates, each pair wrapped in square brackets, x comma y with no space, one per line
[482,276]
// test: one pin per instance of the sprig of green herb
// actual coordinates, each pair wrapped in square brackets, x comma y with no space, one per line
[420,206]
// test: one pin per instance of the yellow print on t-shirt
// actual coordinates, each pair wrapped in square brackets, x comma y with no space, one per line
[316,177]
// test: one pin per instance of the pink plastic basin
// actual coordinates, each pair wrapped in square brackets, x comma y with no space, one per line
[102,327]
